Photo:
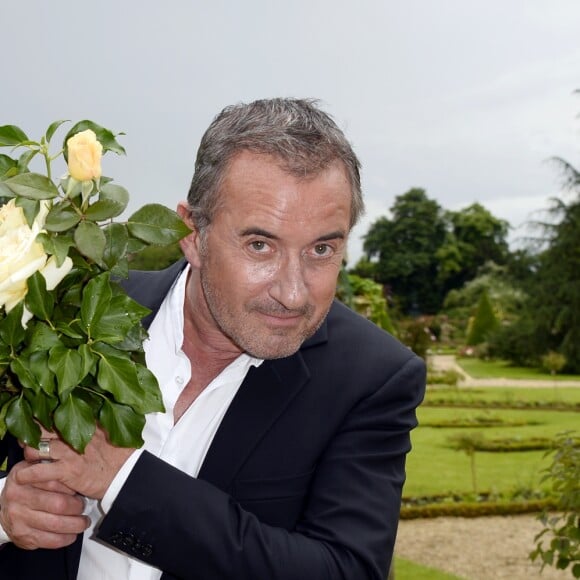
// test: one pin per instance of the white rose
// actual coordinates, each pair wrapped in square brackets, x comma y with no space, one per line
[21,256]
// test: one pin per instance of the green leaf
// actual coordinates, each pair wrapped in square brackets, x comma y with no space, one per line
[38,365]
[113,200]
[88,358]
[21,368]
[122,424]
[71,187]
[115,322]
[11,330]
[67,365]
[43,406]
[118,376]
[117,239]
[11,135]
[90,241]
[40,336]
[75,421]
[6,164]
[52,128]
[32,186]
[135,245]
[25,159]
[38,300]
[5,359]
[70,331]
[104,136]
[61,217]
[5,399]
[96,299]
[20,422]
[56,245]
[133,341]
[156,224]
[153,400]
[30,208]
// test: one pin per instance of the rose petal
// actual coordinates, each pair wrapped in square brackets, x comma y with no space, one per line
[53,274]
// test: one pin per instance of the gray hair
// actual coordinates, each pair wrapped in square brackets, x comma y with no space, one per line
[305,139]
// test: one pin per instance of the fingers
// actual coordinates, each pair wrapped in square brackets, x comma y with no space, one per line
[56,449]
[35,518]
[89,473]
[55,486]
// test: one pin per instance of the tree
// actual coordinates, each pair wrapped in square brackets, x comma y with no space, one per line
[403,249]
[422,251]
[484,322]
[506,294]
[551,317]
[475,236]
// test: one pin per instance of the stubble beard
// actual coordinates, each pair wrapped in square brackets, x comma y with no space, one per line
[259,345]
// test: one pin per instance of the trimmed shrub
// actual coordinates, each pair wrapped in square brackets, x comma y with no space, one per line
[484,322]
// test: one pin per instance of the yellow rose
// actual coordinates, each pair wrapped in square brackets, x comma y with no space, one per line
[21,256]
[84,156]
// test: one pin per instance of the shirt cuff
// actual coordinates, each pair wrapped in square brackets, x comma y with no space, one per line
[119,481]
[4,539]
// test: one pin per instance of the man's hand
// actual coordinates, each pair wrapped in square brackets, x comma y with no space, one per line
[89,473]
[47,515]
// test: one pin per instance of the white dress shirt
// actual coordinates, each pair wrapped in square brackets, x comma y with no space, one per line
[198,425]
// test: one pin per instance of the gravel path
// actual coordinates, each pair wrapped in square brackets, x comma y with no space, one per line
[443,362]
[475,548]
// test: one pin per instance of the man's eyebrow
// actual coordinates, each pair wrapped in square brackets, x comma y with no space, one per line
[258,232]
[337,235]
[253,231]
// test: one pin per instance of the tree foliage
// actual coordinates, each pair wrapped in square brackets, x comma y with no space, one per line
[403,248]
[475,236]
[484,322]
[422,251]
[550,320]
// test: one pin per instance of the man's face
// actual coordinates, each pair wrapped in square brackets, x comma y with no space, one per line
[269,261]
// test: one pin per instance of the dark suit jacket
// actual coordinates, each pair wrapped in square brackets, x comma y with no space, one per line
[303,478]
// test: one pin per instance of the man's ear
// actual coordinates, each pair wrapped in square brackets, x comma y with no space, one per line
[190,244]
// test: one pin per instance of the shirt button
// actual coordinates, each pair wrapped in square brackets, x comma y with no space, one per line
[179,380]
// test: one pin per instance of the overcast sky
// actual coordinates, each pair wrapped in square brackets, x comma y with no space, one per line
[465,99]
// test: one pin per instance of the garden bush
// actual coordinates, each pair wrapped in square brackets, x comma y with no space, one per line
[564,529]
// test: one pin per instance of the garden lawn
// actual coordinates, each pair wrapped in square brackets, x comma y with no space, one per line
[433,467]
[496,369]
[407,570]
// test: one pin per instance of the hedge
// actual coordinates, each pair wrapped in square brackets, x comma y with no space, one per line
[477,509]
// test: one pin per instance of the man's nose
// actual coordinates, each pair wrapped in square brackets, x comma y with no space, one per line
[289,287]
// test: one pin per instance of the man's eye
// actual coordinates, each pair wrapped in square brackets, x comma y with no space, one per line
[258,246]
[322,250]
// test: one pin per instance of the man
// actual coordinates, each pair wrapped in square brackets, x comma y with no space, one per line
[281,453]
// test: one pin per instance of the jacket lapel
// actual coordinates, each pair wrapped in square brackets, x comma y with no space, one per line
[263,396]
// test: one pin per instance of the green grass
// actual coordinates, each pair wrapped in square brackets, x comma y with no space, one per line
[407,570]
[433,467]
[480,369]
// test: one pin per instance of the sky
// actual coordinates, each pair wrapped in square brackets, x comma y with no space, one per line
[466,99]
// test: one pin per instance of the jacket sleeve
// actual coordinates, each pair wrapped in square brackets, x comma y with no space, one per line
[190,529]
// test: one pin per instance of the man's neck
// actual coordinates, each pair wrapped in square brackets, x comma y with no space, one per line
[208,352]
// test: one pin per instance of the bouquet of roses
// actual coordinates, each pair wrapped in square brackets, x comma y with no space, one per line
[71,340]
